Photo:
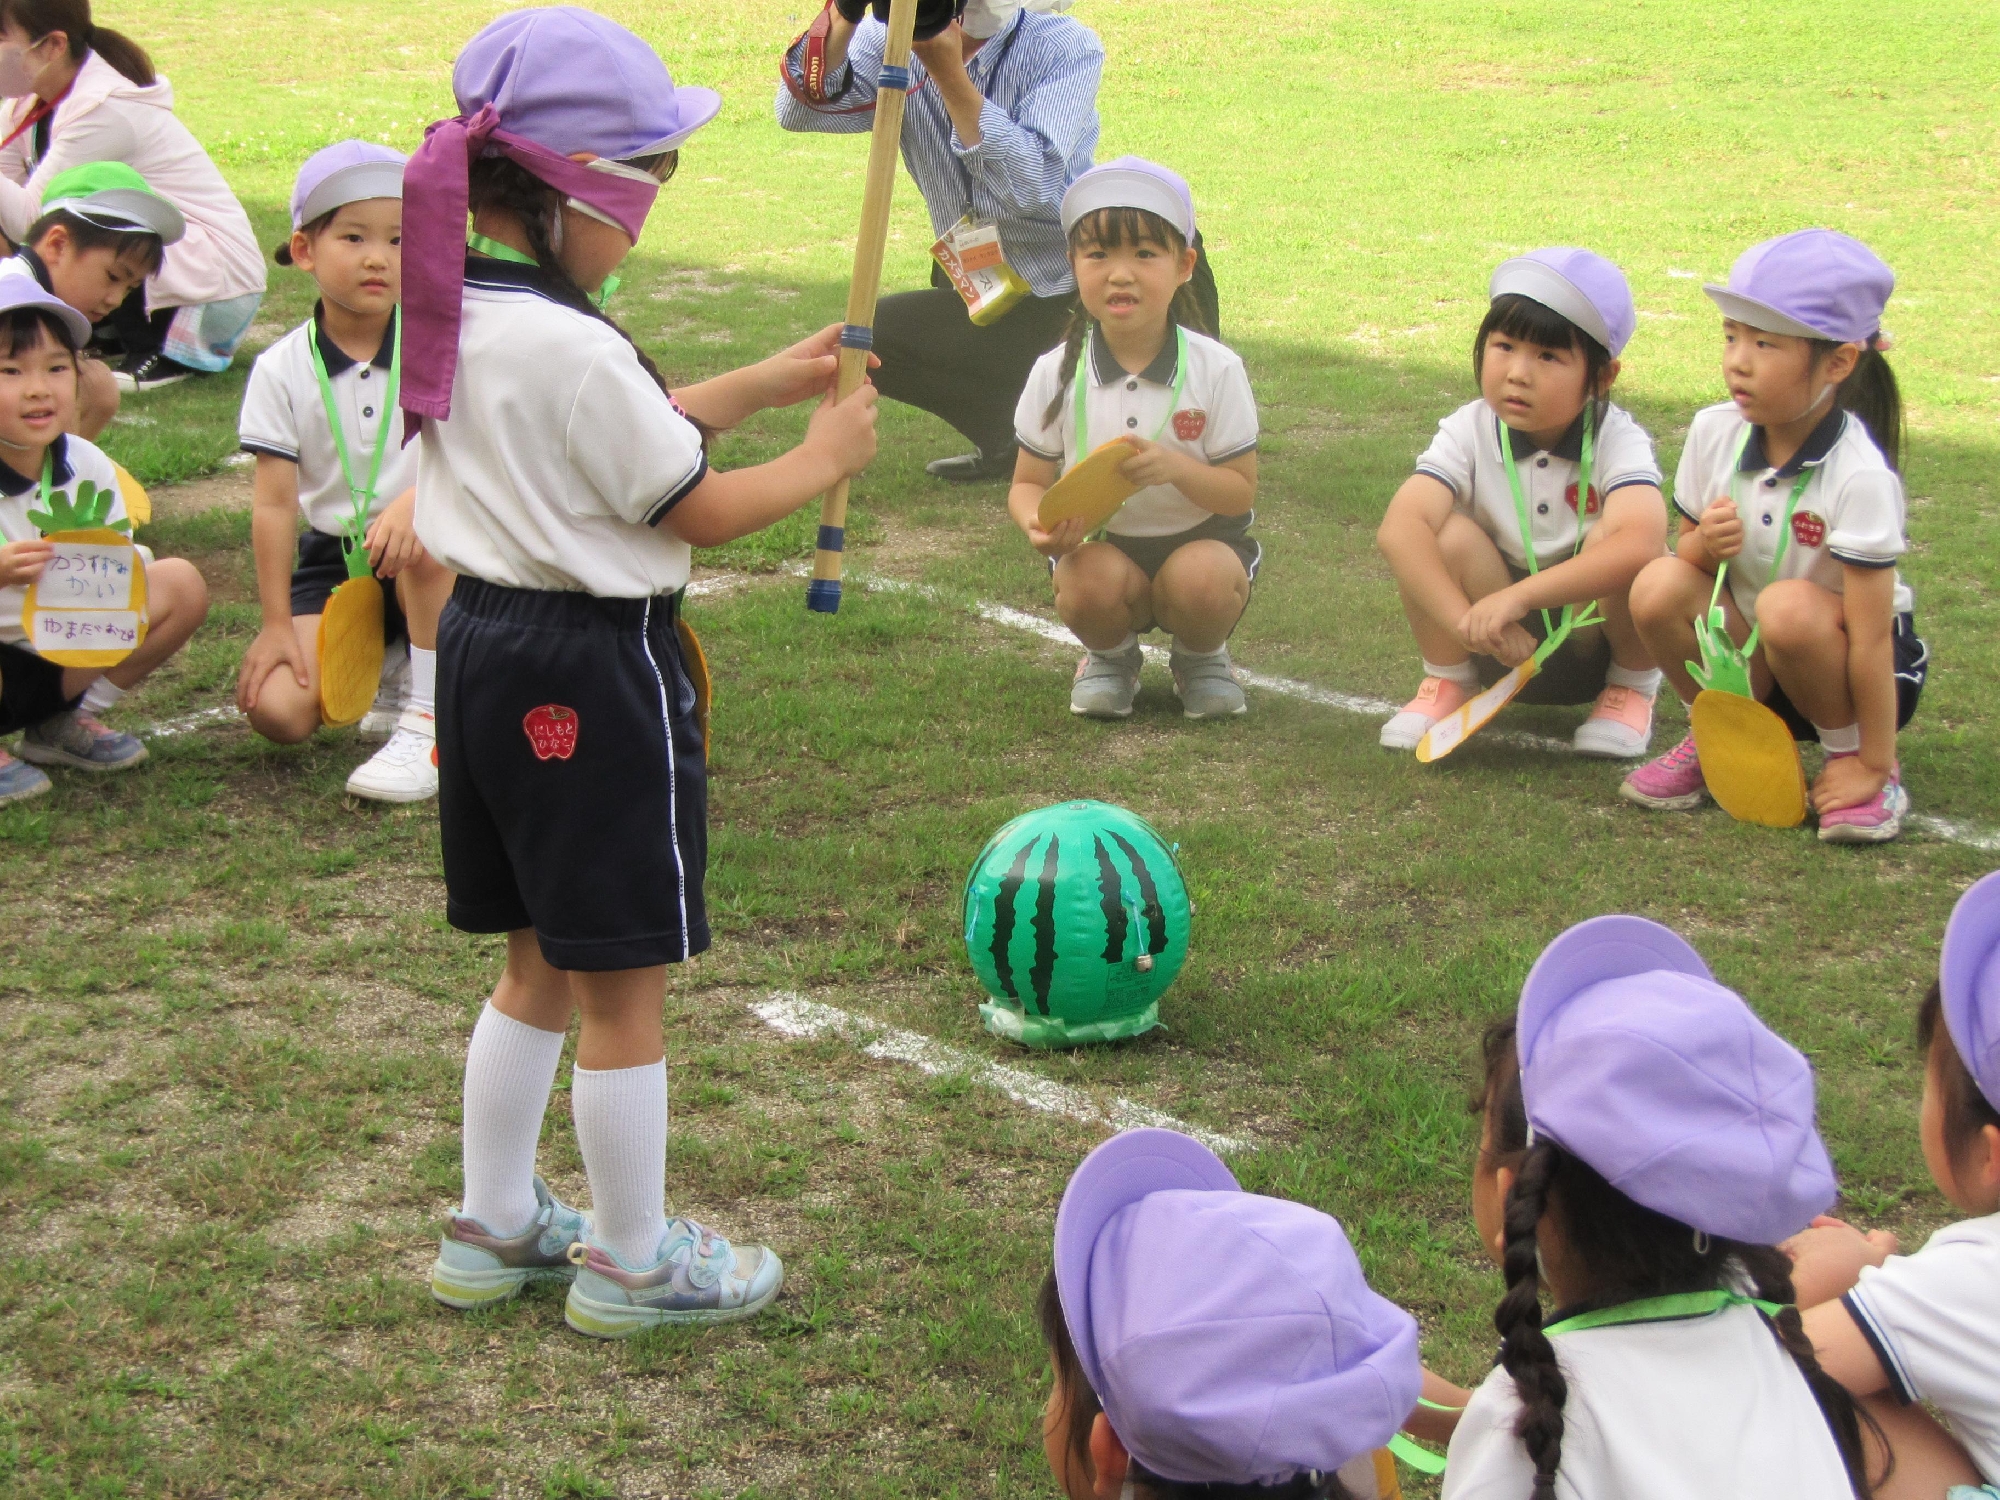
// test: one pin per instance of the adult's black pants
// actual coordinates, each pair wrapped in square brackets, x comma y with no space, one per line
[934,357]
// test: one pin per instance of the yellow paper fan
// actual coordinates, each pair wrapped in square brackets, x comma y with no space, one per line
[138,504]
[96,536]
[1092,491]
[350,651]
[696,662]
[1749,760]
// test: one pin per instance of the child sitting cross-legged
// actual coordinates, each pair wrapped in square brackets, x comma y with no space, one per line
[1212,1343]
[1902,1330]
[320,415]
[1647,1145]
[46,474]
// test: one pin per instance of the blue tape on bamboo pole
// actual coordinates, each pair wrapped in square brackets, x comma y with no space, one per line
[892,77]
[823,596]
[832,539]
[857,336]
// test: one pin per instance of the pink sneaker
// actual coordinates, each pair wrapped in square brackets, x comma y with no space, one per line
[1876,821]
[1620,727]
[1436,697]
[1672,783]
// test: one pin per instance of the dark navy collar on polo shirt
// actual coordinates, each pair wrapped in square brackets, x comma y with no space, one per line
[1819,442]
[26,255]
[337,360]
[510,275]
[1104,366]
[1569,446]
[13,482]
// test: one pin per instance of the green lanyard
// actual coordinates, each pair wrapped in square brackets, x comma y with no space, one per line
[1784,531]
[1083,388]
[1584,473]
[363,498]
[1676,1306]
[492,249]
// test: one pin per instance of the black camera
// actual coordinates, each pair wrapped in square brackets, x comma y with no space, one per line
[932,15]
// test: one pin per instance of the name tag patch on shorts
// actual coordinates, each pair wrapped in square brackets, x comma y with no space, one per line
[551,731]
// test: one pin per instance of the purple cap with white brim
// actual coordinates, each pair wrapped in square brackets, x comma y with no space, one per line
[1581,285]
[343,173]
[19,289]
[1664,1082]
[1231,1338]
[1131,182]
[1810,284]
[1969,979]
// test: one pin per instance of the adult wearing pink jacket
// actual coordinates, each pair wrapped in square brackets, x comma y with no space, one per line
[76,92]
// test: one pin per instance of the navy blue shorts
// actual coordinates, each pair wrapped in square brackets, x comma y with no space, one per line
[30,689]
[322,568]
[1913,666]
[572,797]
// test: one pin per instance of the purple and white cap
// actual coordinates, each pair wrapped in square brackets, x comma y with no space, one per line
[345,172]
[1636,1061]
[1131,182]
[1231,1338]
[19,289]
[1969,979]
[1580,284]
[1810,284]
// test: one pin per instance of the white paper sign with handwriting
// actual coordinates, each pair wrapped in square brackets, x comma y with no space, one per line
[86,575]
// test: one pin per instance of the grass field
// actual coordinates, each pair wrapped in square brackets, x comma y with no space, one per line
[234,1016]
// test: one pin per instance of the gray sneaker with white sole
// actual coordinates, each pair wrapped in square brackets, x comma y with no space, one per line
[1106,683]
[76,739]
[1207,685]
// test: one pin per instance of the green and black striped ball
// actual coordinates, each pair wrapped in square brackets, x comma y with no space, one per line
[1076,921]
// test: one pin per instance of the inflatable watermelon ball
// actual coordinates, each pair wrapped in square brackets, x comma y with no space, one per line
[1076,921]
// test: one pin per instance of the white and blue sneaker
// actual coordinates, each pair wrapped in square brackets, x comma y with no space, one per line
[476,1268]
[699,1278]
[19,781]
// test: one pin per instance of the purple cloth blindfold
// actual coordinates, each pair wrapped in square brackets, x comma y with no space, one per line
[436,202]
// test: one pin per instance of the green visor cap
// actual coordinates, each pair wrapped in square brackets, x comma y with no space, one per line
[113,196]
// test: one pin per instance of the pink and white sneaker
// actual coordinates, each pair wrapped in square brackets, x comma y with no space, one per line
[1620,727]
[1876,821]
[1670,783]
[1436,697]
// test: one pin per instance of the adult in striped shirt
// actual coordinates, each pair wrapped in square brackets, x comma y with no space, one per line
[1002,117]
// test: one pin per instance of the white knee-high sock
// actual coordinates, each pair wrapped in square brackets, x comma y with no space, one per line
[621,1127]
[509,1069]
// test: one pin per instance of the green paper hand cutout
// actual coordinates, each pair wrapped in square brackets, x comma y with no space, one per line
[1725,667]
[90,510]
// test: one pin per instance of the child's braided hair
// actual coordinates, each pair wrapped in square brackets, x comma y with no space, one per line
[1631,1253]
[1110,228]
[496,182]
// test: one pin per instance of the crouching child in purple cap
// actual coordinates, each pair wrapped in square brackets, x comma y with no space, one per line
[1793,485]
[1648,1143]
[1903,1331]
[1210,1342]
[564,486]
[321,420]
[1532,503]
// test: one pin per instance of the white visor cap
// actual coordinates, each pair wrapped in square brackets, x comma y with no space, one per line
[1580,285]
[1131,182]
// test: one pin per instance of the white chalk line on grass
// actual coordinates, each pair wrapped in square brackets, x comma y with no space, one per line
[792,1014]
[1951,830]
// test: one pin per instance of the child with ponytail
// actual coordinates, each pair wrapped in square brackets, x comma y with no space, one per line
[1212,1344]
[1794,487]
[1178,554]
[563,485]
[1647,1144]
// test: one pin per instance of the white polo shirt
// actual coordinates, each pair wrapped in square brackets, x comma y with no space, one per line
[1934,1319]
[1465,457]
[75,461]
[284,416]
[1709,1406]
[1851,513]
[1214,420]
[561,456]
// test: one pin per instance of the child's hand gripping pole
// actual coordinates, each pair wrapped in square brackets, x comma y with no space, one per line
[858,337]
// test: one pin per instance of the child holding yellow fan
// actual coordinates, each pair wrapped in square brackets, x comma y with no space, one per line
[320,416]
[53,482]
[1533,502]
[1792,488]
[1177,554]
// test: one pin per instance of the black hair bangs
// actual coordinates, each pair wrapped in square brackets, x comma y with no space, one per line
[86,234]
[1519,317]
[24,328]
[1114,228]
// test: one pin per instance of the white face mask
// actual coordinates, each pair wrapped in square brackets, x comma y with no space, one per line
[984,18]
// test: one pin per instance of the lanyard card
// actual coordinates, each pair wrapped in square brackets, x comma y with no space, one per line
[976,261]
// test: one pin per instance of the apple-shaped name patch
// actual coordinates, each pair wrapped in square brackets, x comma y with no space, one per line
[551,730]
